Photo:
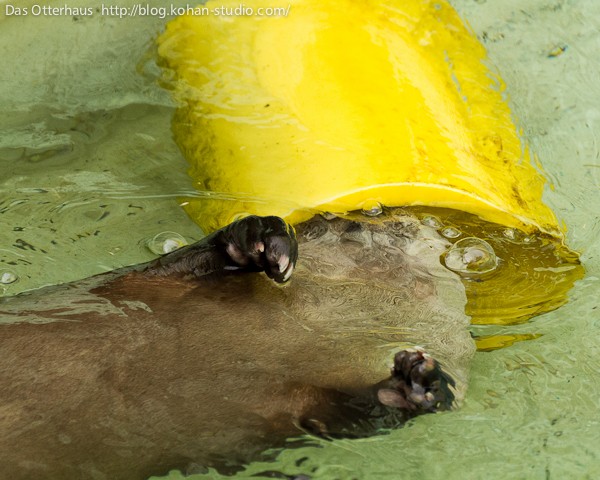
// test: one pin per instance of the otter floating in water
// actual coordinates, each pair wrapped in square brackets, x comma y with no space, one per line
[191,359]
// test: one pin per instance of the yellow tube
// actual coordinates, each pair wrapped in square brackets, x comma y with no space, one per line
[336,105]
[343,103]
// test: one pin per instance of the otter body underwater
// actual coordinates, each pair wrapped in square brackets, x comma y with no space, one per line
[193,359]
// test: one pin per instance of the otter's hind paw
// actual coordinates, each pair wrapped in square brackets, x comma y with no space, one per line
[262,243]
[418,384]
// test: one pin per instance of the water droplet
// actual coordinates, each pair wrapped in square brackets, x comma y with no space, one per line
[372,208]
[7,277]
[451,232]
[509,233]
[471,256]
[516,236]
[166,242]
[432,221]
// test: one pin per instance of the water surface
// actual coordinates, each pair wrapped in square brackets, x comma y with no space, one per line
[84,144]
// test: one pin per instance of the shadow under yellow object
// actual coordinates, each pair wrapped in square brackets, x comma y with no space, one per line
[341,104]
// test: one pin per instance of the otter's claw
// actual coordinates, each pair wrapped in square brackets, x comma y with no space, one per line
[262,243]
[418,384]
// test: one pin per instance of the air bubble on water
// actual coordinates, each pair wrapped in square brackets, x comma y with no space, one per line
[165,242]
[432,221]
[7,277]
[451,232]
[516,236]
[471,256]
[372,208]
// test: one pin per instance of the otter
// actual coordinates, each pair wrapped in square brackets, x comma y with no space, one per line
[197,358]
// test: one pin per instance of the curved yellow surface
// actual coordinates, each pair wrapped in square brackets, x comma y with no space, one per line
[342,103]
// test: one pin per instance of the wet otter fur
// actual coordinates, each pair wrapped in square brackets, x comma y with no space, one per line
[193,359]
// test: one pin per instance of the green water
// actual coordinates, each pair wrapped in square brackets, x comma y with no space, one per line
[88,172]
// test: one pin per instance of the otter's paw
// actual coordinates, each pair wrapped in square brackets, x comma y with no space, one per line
[418,384]
[262,243]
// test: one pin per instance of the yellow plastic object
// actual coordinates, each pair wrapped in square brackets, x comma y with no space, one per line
[342,103]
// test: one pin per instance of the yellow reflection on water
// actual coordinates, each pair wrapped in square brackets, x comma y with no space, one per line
[534,273]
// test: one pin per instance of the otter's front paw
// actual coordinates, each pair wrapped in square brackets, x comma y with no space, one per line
[262,243]
[418,384]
